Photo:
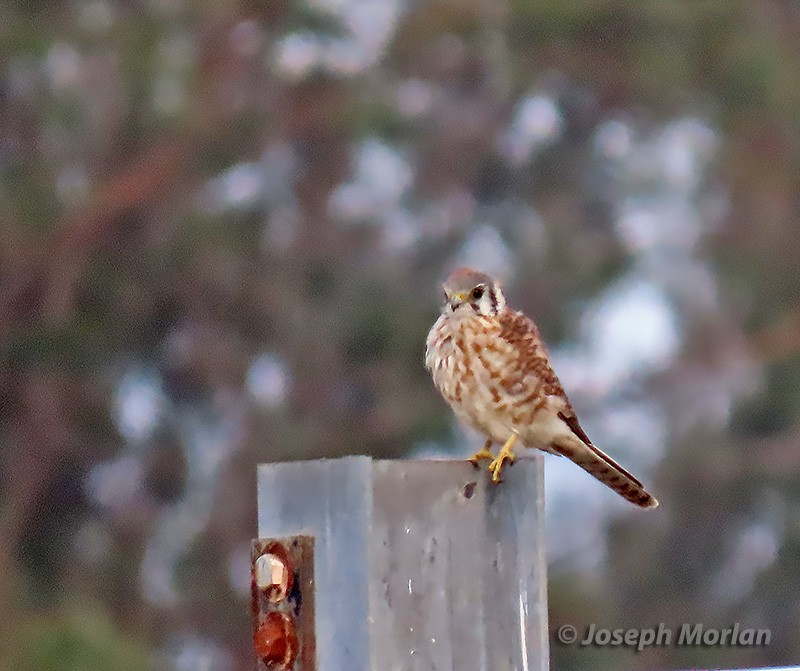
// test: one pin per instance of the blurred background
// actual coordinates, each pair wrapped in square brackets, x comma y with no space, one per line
[223,226]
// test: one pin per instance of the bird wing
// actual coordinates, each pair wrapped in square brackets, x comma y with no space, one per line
[533,360]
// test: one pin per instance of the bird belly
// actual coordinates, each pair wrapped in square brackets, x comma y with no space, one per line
[463,374]
[479,411]
[489,409]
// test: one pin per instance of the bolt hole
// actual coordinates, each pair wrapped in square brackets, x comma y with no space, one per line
[273,572]
[275,642]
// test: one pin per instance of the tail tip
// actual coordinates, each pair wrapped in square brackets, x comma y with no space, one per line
[649,502]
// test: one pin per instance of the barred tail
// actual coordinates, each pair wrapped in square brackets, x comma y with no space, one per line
[599,465]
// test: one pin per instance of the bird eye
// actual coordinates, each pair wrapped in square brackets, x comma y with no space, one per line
[477,292]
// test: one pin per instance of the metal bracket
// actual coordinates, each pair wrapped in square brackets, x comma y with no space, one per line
[282,582]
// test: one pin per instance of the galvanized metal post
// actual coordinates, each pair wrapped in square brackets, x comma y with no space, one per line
[417,564]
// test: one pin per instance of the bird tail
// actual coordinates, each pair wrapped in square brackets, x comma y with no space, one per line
[599,465]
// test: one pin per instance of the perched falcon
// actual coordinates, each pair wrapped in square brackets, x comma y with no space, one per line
[489,363]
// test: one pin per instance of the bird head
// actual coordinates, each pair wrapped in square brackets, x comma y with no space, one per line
[469,291]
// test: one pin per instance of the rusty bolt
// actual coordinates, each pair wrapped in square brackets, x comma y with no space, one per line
[275,642]
[273,573]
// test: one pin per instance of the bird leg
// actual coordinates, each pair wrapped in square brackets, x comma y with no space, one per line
[506,454]
[483,453]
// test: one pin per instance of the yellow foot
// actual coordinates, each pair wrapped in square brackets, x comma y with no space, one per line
[506,454]
[483,453]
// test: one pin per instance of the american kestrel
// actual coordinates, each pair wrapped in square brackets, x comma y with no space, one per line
[490,364]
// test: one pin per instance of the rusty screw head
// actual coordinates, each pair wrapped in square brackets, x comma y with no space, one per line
[273,573]
[275,642]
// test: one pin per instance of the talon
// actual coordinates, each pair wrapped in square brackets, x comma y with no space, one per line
[496,467]
[483,453]
[506,454]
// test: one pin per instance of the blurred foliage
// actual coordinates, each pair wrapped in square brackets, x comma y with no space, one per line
[75,640]
[222,226]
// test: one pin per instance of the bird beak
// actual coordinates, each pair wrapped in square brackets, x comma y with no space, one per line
[455,300]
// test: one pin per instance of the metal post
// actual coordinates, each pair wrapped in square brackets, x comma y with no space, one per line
[418,565]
